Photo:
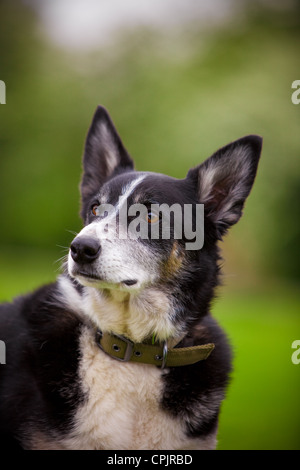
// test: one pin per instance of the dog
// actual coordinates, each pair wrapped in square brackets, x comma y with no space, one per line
[121,352]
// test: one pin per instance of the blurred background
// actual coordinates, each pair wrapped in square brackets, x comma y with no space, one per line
[180,79]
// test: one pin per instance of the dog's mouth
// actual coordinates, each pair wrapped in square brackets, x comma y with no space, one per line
[88,275]
[129,282]
[96,278]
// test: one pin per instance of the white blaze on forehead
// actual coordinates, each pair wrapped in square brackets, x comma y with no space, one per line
[128,190]
[98,226]
[102,225]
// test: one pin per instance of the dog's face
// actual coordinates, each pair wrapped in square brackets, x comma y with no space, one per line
[111,252]
[132,241]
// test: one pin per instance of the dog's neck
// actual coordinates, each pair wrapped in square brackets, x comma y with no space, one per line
[137,315]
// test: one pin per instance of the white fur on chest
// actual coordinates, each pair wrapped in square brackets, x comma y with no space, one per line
[122,409]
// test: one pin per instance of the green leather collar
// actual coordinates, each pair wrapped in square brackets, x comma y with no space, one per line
[122,349]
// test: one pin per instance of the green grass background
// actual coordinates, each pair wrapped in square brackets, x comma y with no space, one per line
[262,407]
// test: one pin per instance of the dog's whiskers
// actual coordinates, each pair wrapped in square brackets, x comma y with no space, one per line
[72,232]
[63,247]
[62,262]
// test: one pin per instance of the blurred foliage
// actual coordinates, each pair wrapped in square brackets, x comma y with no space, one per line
[173,105]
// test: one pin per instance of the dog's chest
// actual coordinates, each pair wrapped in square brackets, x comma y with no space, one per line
[122,406]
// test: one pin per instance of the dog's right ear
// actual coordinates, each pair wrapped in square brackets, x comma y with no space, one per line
[104,156]
[225,179]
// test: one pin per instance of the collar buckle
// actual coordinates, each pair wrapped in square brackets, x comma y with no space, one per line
[116,347]
[128,350]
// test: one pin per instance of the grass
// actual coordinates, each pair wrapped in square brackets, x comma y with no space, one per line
[24,269]
[262,407]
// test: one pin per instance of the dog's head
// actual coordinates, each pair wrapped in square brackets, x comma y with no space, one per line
[144,231]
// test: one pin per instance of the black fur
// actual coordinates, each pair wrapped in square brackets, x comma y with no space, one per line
[40,388]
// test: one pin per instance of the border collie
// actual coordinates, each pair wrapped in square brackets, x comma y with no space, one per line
[121,352]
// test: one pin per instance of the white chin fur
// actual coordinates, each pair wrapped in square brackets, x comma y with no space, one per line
[146,311]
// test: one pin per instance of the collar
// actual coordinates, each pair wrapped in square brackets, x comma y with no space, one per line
[122,349]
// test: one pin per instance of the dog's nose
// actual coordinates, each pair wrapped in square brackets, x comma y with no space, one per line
[85,249]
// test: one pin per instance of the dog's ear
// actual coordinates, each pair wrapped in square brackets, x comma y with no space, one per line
[225,179]
[104,155]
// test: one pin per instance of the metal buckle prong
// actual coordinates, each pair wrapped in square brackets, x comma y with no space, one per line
[128,351]
[165,353]
[163,358]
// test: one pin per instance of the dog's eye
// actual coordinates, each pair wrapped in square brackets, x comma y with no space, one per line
[100,210]
[94,209]
[152,217]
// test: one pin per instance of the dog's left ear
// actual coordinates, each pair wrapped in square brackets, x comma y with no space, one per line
[225,179]
[104,156]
